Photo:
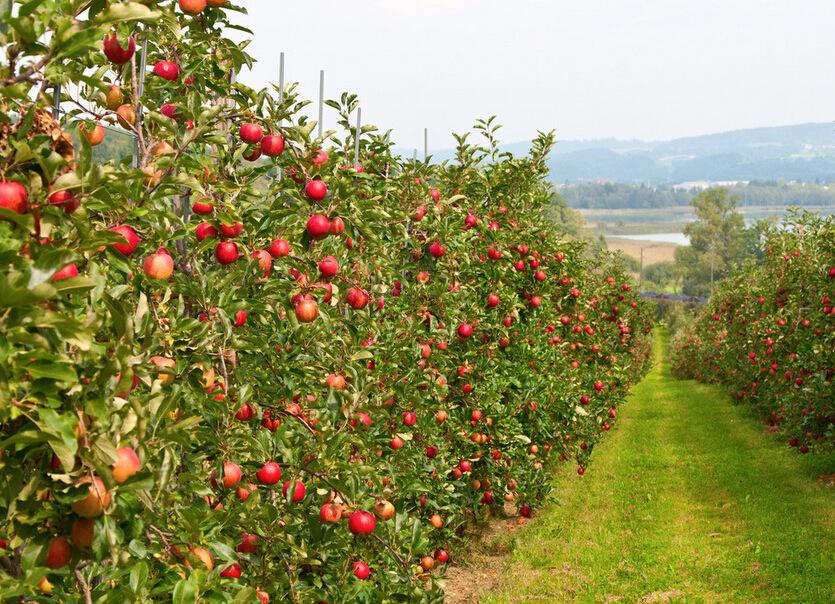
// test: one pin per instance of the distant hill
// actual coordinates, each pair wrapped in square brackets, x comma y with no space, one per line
[804,152]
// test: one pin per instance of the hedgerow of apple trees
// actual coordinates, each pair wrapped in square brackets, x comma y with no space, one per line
[768,334]
[249,368]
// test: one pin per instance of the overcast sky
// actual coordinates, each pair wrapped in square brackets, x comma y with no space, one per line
[651,69]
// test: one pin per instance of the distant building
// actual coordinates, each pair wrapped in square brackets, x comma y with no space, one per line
[702,185]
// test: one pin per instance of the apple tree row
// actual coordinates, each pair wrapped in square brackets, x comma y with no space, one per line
[768,334]
[247,368]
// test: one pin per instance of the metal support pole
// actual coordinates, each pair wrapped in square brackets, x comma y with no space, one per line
[425,144]
[357,137]
[321,102]
[280,97]
[140,87]
[56,101]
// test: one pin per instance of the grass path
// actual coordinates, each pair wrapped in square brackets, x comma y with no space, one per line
[688,500]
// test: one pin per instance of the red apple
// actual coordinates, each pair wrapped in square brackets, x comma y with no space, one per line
[226,252]
[251,133]
[114,51]
[330,513]
[299,490]
[361,523]
[167,70]
[465,330]
[204,230]
[131,240]
[159,265]
[58,553]
[269,474]
[318,226]
[127,464]
[64,199]
[328,266]
[279,248]
[272,145]
[306,309]
[14,197]
[361,570]
[96,500]
[316,190]
[69,271]
[233,571]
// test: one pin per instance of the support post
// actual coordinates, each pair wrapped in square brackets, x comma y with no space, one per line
[357,137]
[321,102]
[140,87]
[425,144]
[56,101]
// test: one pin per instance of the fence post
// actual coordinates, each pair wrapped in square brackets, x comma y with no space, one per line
[357,137]
[140,86]
[321,102]
[280,99]
[425,144]
[56,101]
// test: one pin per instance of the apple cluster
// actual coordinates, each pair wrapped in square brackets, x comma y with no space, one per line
[245,366]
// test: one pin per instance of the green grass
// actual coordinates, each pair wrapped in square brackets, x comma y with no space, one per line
[687,500]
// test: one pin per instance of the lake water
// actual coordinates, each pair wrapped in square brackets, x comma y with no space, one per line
[677,238]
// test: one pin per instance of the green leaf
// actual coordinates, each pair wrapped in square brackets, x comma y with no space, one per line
[128,11]
[185,592]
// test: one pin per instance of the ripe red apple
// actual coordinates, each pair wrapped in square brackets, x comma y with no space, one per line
[493,300]
[64,199]
[204,230]
[436,250]
[159,265]
[356,298]
[82,532]
[328,266]
[832,272]
[279,248]
[338,227]
[131,239]
[96,500]
[441,556]
[435,194]
[306,309]
[465,330]
[321,157]
[231,230]
[167,70]
[251,133]
[330,513]
[14,197]
[272,145]
[231,474]
[316,190]
[269,474]
[464,465]
[396,443]
[203,206]
[318,226]
[361,523]
[361,570]
[409,418]
[192,7]
[226,252]
[248,544]
[299,490]
[126,465]
[233,571]
[114,51]
[58,553]
[69,271]
[431,452]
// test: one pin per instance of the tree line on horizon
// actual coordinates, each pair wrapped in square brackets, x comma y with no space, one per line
[615,196]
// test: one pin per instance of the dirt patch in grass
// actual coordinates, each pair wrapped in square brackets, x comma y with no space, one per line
[657,597]
[481,561]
